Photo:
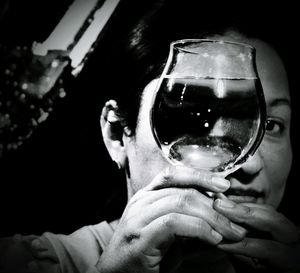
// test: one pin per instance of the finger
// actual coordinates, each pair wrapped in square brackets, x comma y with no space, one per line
[184,201]
[260,217]
[193,203]
[40,250]
[162,232]
[164,183]
[144,207]
[144,198]
[274,253]
[183,177]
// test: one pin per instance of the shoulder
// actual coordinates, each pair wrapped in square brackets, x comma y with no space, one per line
[27,253]
[82,248]
[54,252]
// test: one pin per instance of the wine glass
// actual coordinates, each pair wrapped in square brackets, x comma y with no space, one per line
[208,111]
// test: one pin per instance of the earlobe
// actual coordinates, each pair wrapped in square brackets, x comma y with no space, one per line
[113,133]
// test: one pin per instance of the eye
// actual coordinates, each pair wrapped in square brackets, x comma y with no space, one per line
[274,127]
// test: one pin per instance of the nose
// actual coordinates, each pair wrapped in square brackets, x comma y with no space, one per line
[254,164]
[249,170]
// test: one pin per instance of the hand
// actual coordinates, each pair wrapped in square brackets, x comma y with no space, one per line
[171,206]
[278,248]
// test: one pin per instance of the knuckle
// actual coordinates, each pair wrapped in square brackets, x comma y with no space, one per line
[167,175]
[137,196]
[218,218]
[203,176]
[185,198]
[195,173]
[248,212]
[200,225]
[245,243]
[192,192]
[168,221]
[181,201]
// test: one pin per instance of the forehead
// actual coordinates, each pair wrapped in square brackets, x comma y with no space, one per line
[271,71]
[270,67]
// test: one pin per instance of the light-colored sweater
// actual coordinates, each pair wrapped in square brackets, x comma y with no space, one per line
[77,252]
[80,251]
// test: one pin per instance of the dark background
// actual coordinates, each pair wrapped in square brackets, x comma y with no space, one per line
[62,178]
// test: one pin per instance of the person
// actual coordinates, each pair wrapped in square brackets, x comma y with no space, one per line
[169,224]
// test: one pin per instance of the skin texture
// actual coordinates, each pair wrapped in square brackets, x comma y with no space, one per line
[167,203]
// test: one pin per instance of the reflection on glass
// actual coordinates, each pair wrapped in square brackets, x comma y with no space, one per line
[208,111]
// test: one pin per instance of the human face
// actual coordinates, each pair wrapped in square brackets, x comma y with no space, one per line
[262,179]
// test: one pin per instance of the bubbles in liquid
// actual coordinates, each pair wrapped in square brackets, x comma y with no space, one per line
[212,154]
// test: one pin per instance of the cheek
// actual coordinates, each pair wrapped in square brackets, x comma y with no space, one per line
[145,158]
[277,165]
[145,164]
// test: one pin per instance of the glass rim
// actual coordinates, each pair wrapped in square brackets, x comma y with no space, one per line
[182,41]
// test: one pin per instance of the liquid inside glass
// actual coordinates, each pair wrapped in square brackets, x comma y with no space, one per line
[207,123]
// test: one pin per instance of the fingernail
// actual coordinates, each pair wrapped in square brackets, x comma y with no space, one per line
[217,236]
[226,204]
[220,183]
[237,229]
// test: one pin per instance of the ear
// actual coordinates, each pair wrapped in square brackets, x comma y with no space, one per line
[113,133]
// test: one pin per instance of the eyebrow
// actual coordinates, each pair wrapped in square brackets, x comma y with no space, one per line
[279,101]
